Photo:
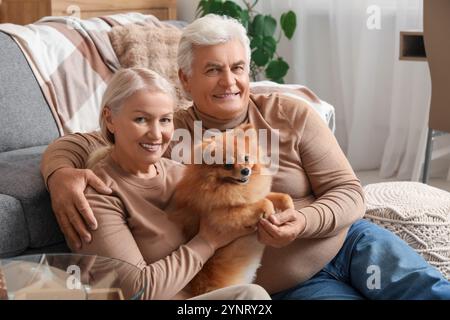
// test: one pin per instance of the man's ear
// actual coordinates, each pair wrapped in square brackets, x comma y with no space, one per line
[184,80]
[107,115]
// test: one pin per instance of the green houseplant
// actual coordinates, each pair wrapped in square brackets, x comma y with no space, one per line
[261,31]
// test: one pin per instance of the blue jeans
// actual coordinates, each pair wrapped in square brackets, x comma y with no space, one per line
[373,263]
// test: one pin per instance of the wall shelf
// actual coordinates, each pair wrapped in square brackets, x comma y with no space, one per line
[412,46]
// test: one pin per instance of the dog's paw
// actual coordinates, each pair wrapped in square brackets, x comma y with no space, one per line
[267,209]
[286,202]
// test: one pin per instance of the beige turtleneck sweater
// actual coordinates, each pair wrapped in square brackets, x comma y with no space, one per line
[134,227]
[312,169]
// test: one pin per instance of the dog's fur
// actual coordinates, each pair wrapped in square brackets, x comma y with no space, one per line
[221,193]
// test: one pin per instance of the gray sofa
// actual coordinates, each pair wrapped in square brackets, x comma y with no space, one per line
[27,126]
[27,223]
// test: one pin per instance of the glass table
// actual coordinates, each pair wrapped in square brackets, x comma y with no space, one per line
[69,277]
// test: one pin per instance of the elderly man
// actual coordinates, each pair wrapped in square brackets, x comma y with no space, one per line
[322,249]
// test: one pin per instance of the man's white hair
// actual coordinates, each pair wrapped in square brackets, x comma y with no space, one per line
[210,30]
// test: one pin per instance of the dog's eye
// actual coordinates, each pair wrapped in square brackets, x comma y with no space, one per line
[228,166]
[246,158]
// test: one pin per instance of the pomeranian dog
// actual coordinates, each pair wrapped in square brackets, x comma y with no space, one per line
[235,194]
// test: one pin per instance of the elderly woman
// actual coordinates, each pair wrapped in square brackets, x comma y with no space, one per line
[136,120]
[321,250]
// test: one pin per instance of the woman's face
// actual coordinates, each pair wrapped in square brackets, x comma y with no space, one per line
[142,129]
[219,83]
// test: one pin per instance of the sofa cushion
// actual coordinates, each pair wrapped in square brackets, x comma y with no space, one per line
[13,229]
[21,179]
[153,47]
[417,213]
[26,119]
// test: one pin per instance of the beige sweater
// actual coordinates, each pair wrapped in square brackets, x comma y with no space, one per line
[134,227]
[313,170]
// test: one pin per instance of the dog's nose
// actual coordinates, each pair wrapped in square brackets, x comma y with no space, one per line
[245,171]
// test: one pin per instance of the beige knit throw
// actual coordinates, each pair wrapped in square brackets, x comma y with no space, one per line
[417,213]
[150,46]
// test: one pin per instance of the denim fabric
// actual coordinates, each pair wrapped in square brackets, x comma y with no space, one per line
[373,263]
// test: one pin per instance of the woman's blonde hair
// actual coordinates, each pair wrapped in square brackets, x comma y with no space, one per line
[122,85]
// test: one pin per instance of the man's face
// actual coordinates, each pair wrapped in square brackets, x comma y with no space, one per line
[219,83]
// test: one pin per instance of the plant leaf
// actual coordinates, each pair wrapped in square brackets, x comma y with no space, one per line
[232,9]
[277,69]
[288,21]
[216,6]
[258,25]
[260,57]
[245,19]
[257,42]
[270,45]
[270,24]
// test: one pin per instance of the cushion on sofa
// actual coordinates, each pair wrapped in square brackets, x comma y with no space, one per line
[26,119]
[21,179]
[417,213]
[13,229]
[150,46]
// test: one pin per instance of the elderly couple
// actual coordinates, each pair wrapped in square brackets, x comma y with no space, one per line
[320,250]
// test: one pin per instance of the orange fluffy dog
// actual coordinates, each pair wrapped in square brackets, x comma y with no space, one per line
[235,194]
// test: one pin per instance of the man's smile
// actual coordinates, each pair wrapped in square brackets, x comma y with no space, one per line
[225,96]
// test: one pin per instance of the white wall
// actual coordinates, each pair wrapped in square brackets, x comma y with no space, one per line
[186,9]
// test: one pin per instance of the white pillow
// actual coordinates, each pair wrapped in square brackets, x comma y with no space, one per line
[296,91]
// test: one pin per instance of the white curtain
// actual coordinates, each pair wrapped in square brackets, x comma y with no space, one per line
[381,102]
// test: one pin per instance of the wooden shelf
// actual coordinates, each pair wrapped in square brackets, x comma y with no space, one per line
[28,11]
[412,46]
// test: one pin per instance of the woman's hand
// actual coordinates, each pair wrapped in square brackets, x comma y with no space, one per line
[282,228]
[72,210]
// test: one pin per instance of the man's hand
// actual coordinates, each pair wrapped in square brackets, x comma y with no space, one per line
[72,211]
[281,229]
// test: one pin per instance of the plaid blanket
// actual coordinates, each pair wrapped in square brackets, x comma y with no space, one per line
[73,60]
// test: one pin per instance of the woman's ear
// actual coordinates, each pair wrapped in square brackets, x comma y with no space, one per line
[107,115]
[184,80]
